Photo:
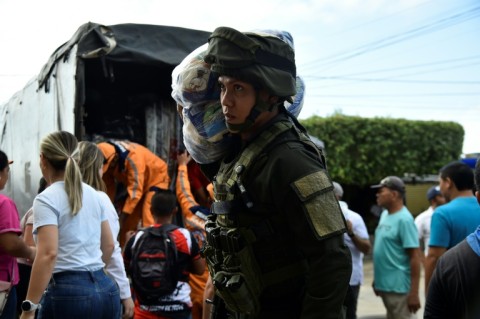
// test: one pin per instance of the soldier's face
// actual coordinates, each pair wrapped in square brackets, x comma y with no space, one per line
[237,98]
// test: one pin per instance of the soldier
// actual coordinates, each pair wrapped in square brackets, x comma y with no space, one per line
[275,237]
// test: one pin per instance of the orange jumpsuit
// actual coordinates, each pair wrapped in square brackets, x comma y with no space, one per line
[138,169]
[197,226]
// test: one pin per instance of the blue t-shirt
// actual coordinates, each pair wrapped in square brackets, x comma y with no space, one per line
[454,221]
[394,234]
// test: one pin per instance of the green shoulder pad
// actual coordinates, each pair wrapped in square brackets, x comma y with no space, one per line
[323,212]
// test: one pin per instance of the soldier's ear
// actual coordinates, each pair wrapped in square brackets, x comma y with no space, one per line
[272,99]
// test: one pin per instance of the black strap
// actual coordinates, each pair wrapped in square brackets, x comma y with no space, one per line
[164,227]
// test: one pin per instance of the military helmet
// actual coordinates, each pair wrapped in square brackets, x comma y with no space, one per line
[195,89]
[261,58]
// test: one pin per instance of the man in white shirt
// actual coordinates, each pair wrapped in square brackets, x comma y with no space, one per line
[358,242]
[423,220]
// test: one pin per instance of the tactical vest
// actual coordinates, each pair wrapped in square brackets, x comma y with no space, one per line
[234,233]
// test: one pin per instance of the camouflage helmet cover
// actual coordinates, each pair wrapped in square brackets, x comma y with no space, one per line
[262,59]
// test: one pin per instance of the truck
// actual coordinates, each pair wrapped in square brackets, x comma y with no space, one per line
[105,82]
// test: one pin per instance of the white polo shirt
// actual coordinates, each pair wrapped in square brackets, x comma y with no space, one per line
[360,230]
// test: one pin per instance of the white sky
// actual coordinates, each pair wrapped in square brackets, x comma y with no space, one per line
[414,59]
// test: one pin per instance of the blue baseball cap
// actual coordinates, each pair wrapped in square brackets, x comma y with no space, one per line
[433,192]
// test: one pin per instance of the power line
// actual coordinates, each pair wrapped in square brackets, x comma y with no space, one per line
[400,37]
[391,56]
[436,70]
[405,95]
[394,78]
[379,19]
[397,81]
[445,106]
[413,66]
[389,106]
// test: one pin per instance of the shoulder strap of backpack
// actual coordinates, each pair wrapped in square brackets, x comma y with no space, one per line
[168,227]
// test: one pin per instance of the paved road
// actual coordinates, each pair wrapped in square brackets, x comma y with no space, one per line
[371,306]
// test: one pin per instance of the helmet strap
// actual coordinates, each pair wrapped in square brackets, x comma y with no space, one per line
[259,107]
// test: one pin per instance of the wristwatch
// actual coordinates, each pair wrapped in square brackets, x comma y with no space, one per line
[27,306]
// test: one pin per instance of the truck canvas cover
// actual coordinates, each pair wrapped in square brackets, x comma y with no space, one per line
[106,82]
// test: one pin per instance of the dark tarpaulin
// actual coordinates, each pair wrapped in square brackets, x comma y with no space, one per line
[152,44]
[140,43]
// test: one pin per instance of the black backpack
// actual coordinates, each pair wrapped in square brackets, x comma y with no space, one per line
[153,267]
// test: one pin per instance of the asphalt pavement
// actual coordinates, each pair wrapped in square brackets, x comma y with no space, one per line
[369,305]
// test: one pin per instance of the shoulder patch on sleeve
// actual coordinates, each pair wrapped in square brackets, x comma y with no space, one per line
[312,184]
[323,212]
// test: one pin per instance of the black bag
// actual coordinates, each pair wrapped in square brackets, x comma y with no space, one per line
[153,267]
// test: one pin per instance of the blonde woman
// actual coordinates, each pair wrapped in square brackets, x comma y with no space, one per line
[73,239]
[91,164]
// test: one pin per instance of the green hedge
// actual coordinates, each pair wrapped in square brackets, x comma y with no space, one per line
[361,151]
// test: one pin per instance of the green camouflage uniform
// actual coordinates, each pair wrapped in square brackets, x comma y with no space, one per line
[275,239]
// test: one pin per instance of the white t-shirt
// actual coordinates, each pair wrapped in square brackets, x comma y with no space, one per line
[116,267]
[78,236]
[423,221]
[360,230]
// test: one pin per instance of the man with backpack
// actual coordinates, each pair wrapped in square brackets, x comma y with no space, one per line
[158,260]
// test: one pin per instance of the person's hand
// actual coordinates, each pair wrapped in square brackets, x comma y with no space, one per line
[413,302]
[127,308]
[27,315]
[183,158]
